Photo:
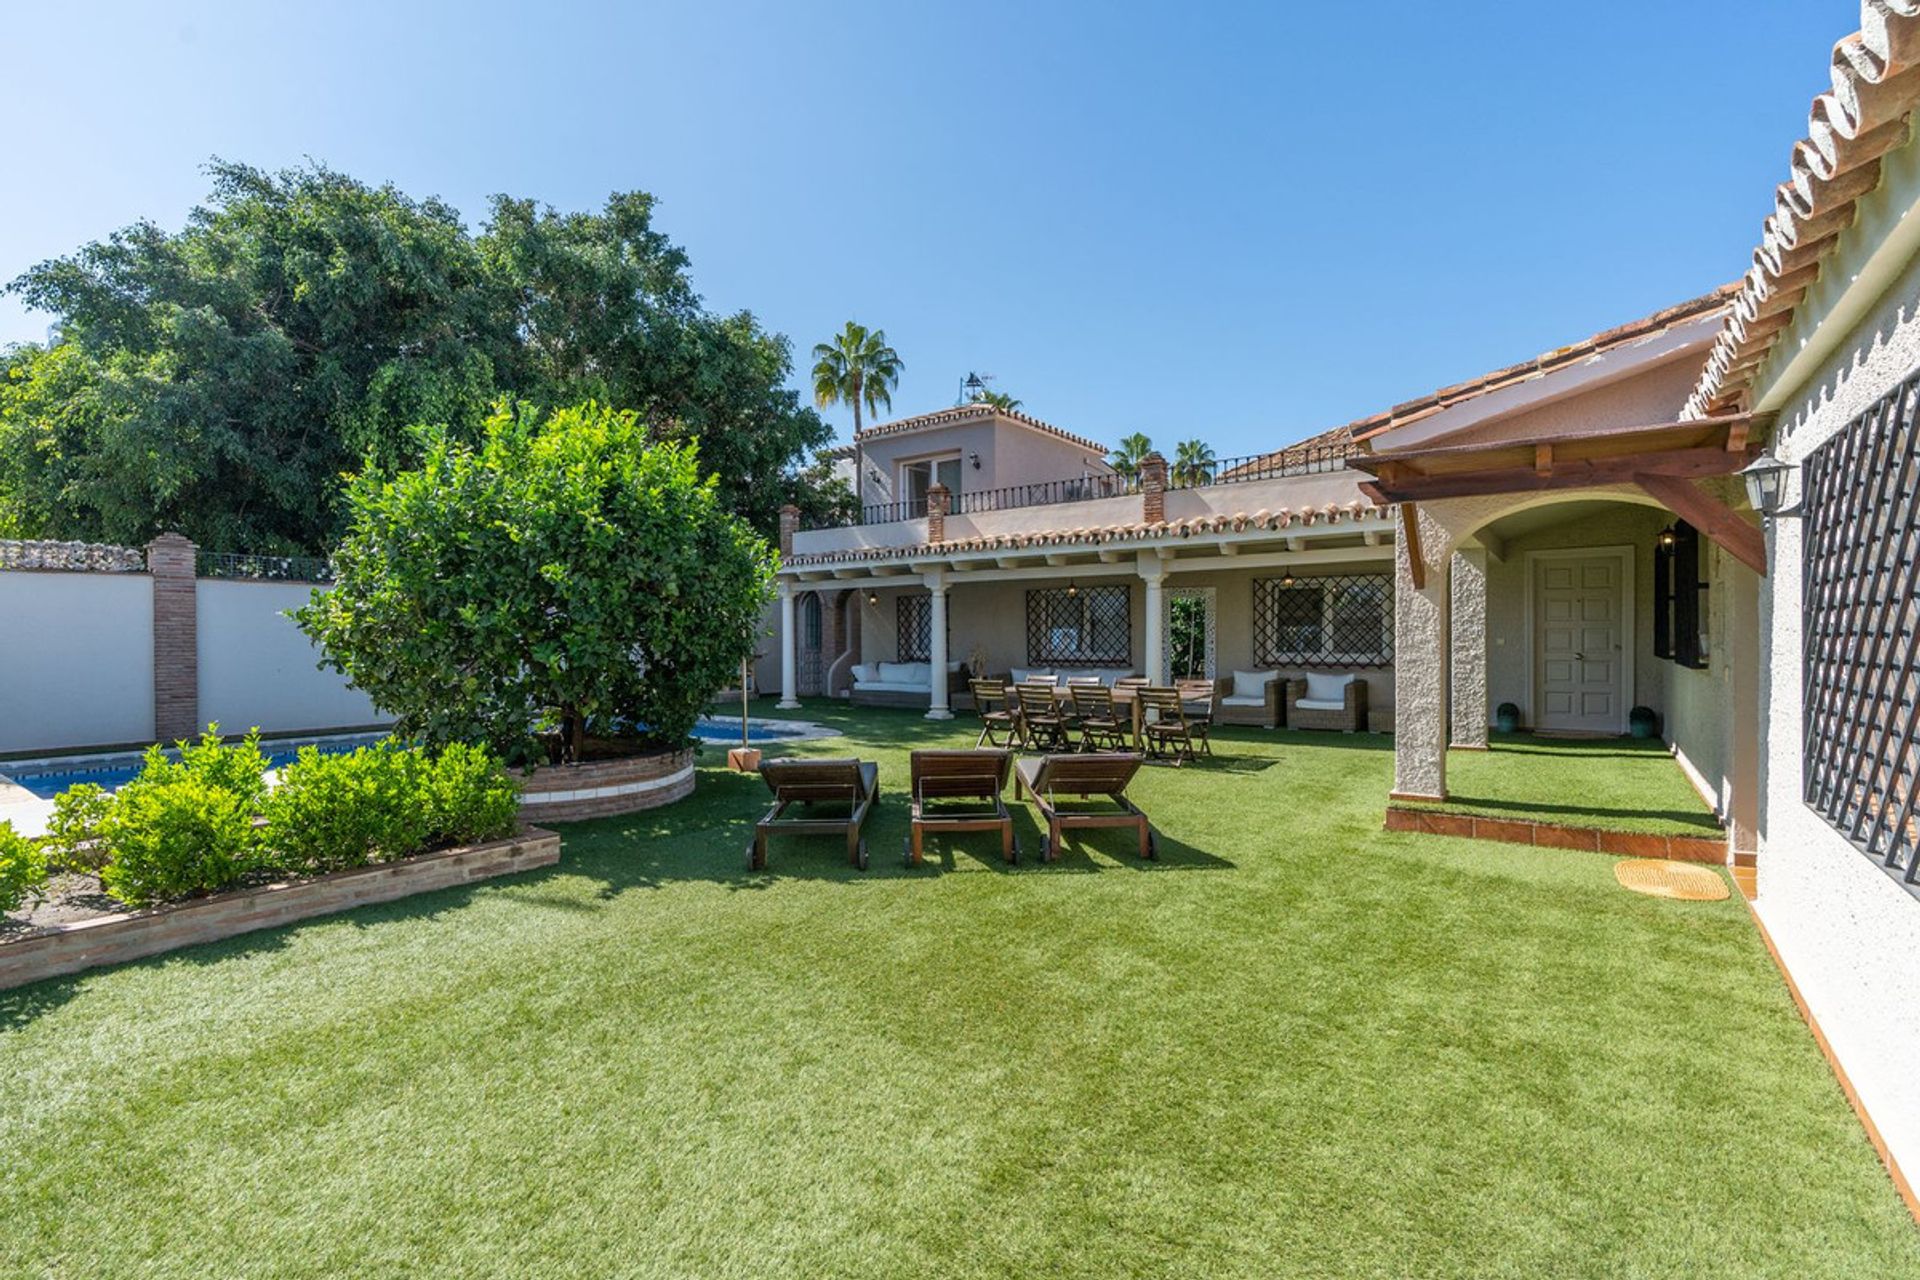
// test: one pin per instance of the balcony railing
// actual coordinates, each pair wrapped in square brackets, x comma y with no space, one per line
[1299,461]
[1302,460]
[258,568]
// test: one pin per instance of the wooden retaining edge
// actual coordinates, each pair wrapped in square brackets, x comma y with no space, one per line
[1900,1183]
[133,935]
[1555,835]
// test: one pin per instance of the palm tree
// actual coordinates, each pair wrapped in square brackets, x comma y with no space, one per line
[1128,457]
[1193,463]
[856,368]
[998,399]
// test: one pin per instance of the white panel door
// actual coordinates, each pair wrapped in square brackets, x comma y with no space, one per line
[1579,665]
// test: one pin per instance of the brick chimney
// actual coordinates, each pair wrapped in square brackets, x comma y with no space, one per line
[1153,488]
[937,497]
[789,525]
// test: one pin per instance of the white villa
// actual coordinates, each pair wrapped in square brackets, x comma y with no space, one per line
[1571,535]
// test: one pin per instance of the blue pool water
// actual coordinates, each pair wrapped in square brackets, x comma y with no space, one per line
[49,779]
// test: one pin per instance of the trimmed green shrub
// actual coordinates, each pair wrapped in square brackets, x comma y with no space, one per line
[23,868]
[171,833]
[331,812]
[77,812]
[240,768]
[469,796]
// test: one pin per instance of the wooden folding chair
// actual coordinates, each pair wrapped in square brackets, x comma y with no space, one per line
[1051,780]
[1041,724]
[994,718]
[1166,727]
[979,774]
[1099,722]
[853,783]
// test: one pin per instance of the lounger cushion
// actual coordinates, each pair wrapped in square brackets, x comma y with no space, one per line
[1320,704]
[1251,684]
[894,686]
[1326,688]
[866,672]
[1243,702]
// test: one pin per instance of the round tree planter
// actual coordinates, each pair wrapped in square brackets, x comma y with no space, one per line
[601,788]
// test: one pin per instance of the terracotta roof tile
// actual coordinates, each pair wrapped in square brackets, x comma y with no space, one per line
[1876,85]
[976,413]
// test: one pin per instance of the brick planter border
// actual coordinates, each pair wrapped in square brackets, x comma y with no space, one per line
[602,788]
[114,939]
[1553,835]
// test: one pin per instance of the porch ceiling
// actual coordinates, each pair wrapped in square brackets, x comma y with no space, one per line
[1571,460]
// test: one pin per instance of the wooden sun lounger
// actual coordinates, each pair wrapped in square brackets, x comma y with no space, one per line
[853,783]
[1049,778]
[980,774]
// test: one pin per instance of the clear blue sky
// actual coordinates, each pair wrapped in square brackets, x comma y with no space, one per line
[1246,222]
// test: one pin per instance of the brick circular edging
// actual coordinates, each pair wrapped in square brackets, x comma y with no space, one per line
[1553,835]
[602,788]
[133,935]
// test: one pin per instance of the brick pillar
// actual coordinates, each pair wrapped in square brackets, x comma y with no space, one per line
[1153,488]
[176,642]
[789,525]
[937,513]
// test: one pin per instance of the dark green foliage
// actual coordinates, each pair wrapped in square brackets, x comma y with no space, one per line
[331,812]
[23,868]
[173,834]
[562,570]
[220,380]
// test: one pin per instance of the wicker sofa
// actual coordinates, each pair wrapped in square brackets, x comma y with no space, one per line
[1242,707]
[1327,702]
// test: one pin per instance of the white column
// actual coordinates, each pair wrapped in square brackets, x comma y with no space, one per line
[1153,573]
[1467,680]
[1420,668]
[937,701]
[789,642]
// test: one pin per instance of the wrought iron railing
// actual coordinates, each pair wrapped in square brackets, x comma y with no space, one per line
[220,564]
[1046,493]
[1301,460]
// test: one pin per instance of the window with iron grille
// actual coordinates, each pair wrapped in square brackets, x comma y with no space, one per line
[913,620]
[1861,645]
[1084,626]
[1679,598]
[1343,620]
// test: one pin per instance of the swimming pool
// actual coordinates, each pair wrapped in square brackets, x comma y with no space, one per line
[46,779]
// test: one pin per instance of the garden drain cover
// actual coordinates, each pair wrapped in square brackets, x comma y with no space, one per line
[1663,879]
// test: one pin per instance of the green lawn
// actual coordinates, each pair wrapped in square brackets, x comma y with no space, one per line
[1296,1046]
[1619,784]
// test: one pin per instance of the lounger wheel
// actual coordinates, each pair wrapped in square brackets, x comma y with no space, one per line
[862,862]
[1153,844]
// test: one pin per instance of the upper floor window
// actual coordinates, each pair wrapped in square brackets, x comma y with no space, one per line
[1860,634]
[919,476]
[1343,620]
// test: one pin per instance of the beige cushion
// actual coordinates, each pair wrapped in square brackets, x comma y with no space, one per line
[1252,684]
[1322,687]
[865,672]
[1320,704]
[1243,702]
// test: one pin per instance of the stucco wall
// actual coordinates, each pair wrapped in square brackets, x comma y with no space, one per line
[1839,922]
[1655,394]
[257,668]
[76,659]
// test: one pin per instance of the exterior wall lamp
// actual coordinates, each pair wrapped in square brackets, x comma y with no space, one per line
[1667,538]
[873,597]
[974,458]
[1768,481]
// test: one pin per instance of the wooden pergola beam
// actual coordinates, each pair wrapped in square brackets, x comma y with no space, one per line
[1567,473]
[1710,516]
[1410,531]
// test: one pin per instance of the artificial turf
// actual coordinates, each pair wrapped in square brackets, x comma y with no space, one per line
[1296,1045]
[1617,784]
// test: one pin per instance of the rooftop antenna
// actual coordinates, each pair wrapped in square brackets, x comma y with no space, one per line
[973,387]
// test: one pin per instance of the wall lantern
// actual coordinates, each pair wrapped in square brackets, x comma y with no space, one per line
[974,458]
[1073,589]
[1286,579]
[1667,538]
[1767,482]
[873,597]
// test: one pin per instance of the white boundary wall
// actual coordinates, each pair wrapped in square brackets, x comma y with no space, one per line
[258,668]
[76,659]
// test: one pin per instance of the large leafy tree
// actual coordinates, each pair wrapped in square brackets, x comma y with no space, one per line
[566,570]
[856,368]
[221,380]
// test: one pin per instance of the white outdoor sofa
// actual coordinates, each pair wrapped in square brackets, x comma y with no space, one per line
[903,684]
